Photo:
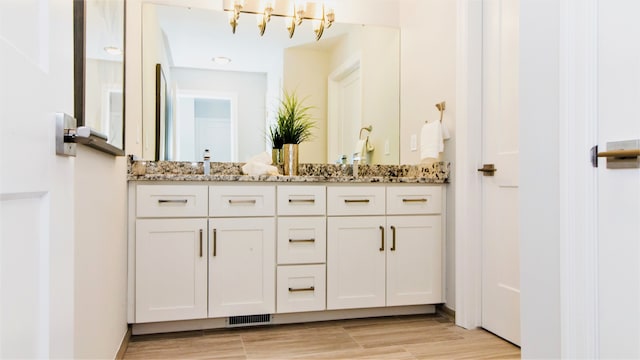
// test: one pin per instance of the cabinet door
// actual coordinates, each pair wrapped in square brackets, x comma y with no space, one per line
[414,264]
[171,269]
[242,256]
[355,262]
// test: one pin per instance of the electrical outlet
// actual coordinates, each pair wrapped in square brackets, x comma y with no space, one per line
[414,142]
[386,147]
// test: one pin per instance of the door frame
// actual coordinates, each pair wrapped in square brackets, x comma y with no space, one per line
[574,123]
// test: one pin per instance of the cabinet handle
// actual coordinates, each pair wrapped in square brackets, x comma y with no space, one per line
[382,238]
[393,238]
[302,201]
[200,242]
[215,241]
[242,202]
[302,240]
[414,200]
[310,288]
[349,201]
[164,201]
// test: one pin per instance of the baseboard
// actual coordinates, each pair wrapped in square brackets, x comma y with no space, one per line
[290,318]
[124,345]
[444,310]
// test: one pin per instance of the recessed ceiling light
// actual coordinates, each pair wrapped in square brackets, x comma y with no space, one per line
[221,60]
[113,50]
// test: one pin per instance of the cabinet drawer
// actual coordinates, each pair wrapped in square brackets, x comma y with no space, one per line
[171,201]
[355,200]
[405,200]
[301,200]
[226,201]
[302,240]
[301,288]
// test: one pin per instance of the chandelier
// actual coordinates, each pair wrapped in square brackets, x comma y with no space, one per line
[295,11]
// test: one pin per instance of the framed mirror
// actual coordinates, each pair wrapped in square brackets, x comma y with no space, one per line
[99,45]
[225,83]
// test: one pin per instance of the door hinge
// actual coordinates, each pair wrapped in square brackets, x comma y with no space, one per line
[594,156]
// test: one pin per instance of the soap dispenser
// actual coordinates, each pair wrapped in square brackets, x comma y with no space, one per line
[207,163]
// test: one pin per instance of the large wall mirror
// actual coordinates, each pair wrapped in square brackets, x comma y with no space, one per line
[224,88]
[99,71]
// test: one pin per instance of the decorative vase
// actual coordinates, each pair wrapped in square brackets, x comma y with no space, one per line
[290,159]
[277,156]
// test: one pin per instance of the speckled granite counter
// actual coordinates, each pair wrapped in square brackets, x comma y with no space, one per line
[436,173]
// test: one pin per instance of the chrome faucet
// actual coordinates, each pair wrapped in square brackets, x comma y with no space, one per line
[356,162]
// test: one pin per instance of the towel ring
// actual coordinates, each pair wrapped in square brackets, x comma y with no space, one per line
[368,128]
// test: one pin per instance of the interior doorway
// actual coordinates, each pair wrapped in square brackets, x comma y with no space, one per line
[500,200]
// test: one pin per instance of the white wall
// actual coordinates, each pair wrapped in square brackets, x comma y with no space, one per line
[313,67]
[380,70]
[155,53]
[250,89]
[100,259]
[428,76]
[539,204]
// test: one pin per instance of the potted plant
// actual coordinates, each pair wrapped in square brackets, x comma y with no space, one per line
[294,123]
[276,144]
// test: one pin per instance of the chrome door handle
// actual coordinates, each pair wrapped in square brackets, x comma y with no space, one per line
[488,169]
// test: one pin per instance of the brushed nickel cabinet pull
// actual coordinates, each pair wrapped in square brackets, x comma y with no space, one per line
[382,238]
[414,200]
[393,238]
[164,201]
[310,288]
[200,242]
[215,241]
[620,153]
[302,240]
[348,201]
[242,202]
[311,201]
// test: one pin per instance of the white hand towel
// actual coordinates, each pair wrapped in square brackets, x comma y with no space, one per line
[260,165]
[445,132]
[431,141]
[360,148]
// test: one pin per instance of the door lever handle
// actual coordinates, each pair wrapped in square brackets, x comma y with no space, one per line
[488,169]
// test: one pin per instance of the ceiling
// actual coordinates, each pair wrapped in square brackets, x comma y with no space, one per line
[194,36]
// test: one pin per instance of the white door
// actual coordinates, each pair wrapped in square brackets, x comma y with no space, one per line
[242,262]
[356,248]
[414,260]
[500,259]
[171,269]
[345,111]
[618,189]
[36,186]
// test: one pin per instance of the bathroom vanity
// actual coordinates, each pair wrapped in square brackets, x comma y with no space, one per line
[229,250]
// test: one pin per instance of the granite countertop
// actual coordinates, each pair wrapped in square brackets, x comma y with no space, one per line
[435,173]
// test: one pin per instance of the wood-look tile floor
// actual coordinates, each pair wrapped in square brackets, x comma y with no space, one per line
[399,337]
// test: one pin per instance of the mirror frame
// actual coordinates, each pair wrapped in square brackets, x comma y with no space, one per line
[79,77]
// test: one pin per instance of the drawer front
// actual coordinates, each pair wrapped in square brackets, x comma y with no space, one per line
[301,288]
[301,200]
[302,240]
[171,201]
[231,201]
[355,200]
[405,200]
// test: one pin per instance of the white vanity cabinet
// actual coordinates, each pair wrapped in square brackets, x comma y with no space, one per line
[242,250]
[170,248]
[302,237]
[414,249]
[392,260]
[216,252]
[356,246]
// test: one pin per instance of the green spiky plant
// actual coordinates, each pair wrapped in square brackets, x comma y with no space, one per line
[275,137]
[294,121]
